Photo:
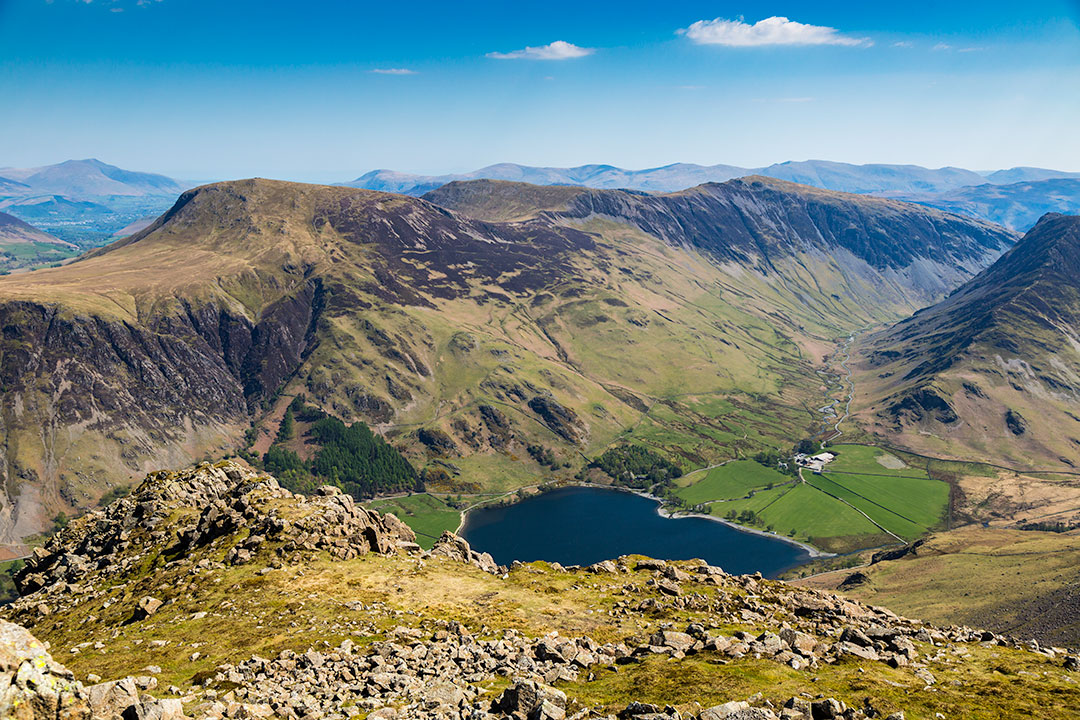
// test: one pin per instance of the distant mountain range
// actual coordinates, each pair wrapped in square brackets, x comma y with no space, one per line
[1016,206]
[992,371]
[84,201]
[845,177]
[83,179]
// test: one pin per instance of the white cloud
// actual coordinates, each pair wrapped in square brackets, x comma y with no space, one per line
[558,50]
[943,46]
[393,71]
[903,44]
[770,31]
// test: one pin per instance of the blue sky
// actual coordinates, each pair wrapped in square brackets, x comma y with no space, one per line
[209,89]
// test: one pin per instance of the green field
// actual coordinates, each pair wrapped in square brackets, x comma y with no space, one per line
[830,510]
[920,502]
[427,515]
[729,482]
[804,513]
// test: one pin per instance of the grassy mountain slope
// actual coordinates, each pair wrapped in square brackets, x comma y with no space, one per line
[1008,580]
[993,371]
[692,323]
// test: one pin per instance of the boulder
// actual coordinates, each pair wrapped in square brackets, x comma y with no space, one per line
[530,700]
[800,642]
[674,640]
[33,684]
[146,607]
[112,699]
[457,548]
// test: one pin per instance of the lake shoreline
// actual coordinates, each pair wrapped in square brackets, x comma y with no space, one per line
[813,552]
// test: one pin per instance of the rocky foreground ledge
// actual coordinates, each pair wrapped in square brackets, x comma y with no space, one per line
[215,593]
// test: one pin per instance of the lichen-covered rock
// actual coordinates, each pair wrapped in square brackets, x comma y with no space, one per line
[32,684]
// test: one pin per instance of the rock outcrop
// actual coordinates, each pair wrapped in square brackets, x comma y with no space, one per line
[212,503]
[457,548]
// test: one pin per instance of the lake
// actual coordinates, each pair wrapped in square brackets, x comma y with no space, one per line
[584,525]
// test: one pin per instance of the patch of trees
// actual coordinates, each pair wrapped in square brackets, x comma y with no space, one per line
[772,459]
[636,466]
[352,457]
[543,455]
[1054,527]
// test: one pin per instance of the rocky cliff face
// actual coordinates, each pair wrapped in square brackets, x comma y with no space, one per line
[71,382]
[757,222]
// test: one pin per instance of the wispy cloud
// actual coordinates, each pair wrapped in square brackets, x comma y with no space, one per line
[942,46]
[903,44]
[558,50]
[393,71]
[770,31]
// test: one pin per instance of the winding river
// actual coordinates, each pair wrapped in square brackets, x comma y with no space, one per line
[583,525]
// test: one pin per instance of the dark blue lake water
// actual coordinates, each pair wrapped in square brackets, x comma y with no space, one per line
[581,525]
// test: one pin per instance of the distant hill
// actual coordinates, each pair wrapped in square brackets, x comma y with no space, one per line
[87,179]
[993,371]
[23,245]
[1017,206]
[12,187]
[1027,174]
[873,178]
[663,179]
[14,230]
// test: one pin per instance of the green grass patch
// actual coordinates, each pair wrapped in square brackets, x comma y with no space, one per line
[427,515]
[730,482]
[872,460]
[892,520]
[802,512]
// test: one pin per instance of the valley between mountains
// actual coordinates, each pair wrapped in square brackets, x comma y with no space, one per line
[466,327]
[396,360]
[499,338]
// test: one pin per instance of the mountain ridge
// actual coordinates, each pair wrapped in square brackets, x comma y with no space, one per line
[846,177]
[490,337]
[994,367]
